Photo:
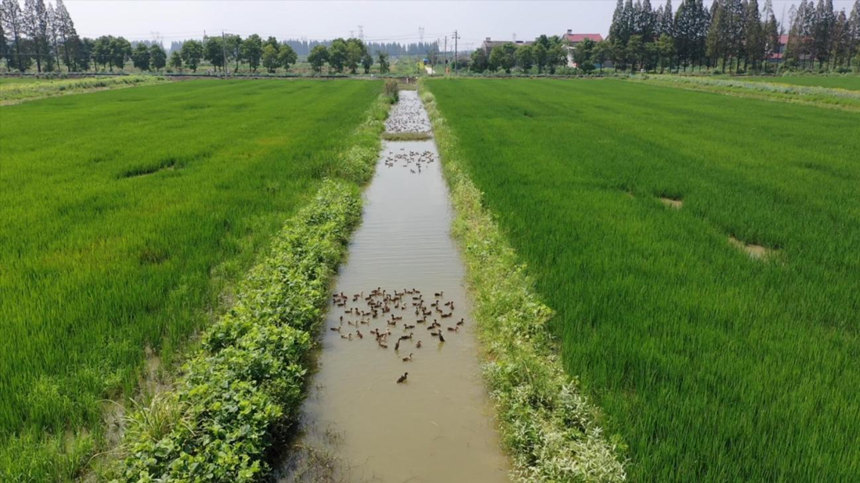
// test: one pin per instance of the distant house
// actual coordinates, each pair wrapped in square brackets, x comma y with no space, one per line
[489,44]
[778,56]
[571,39]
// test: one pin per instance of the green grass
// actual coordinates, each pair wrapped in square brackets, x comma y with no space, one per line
[709,364]
[15,90]
[847,81]
[124,215]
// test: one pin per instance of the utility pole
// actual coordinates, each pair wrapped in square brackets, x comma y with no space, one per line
[223,55]
[456,64]
[446,55]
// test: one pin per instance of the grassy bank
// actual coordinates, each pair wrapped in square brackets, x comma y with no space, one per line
[125,218]
[14,90]
[810,94]
[850,82]
[549,428]
[710,364]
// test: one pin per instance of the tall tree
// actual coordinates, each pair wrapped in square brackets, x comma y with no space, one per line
[337,53]
[176,60]
[825,21]
[854,33]
[14,22]
[479,62]
[355,50]
[270,58]
[101,51]
[754,35]
[215,52]
[318,57]
[382,60]
[192,53]
[366,62]
[140,57]
[770,31]
[503,57]
[157,56]
[252,51]
[286,56]
[68,36]
[233,47]
[525,57]
[36,15]
[120,51]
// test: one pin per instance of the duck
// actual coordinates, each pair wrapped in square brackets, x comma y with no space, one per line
[408,358]
[441,337]
[402,379]
[461,322]
[418,345]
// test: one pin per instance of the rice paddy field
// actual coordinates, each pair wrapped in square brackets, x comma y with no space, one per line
[125,218]
[701,252]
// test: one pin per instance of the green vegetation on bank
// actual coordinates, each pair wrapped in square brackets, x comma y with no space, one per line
[710,364]
[242,391]
[850,82]
[740,87]
[124,218]
[13,90]
[549,428]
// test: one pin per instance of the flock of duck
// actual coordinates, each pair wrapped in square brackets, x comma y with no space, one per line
[394,320]
[408,115]
[414,160]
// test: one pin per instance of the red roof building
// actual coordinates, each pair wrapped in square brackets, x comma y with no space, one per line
[572,39]
[577,38]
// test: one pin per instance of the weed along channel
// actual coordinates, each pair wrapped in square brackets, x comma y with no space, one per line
[398,393]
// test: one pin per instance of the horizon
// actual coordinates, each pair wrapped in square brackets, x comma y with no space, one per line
[166,21]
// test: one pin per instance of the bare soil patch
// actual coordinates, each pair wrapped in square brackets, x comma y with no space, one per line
[757,252]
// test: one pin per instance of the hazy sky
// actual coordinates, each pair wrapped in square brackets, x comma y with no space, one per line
[400,21]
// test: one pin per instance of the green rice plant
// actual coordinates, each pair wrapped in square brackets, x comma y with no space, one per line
[711,365]
[126,218]
[247,381]
[549,428]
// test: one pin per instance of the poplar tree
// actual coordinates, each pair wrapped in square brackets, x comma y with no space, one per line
[14,22]
[754,37]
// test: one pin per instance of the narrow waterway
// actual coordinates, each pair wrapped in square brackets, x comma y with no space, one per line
[402,283]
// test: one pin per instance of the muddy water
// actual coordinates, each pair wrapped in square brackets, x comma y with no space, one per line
[358,423]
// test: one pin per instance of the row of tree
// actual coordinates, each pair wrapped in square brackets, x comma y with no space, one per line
[731,34]
[38,32]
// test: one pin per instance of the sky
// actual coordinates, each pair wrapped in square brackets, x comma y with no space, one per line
[383,21]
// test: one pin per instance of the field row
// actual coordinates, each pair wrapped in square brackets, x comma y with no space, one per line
[125,216]
[707,363]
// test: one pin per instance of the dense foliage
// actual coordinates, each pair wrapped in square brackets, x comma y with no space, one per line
[121,228]
[711,365]
[247,381]
[732,35]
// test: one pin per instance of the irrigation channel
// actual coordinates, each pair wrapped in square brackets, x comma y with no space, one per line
[403,273]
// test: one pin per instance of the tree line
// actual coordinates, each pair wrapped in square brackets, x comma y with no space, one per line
[44,34]
[731,35]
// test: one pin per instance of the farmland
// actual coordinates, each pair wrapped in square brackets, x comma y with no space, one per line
[125,219]
[629,202]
